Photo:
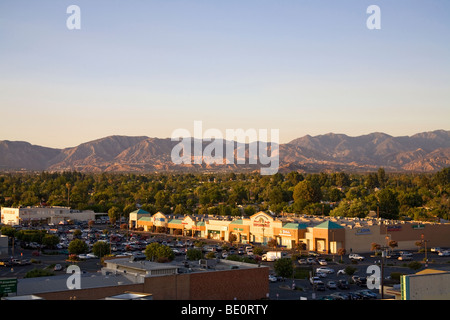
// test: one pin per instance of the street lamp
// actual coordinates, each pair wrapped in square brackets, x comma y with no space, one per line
[383,255]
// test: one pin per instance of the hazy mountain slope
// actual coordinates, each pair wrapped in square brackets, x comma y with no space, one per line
[422,152]
[23,155]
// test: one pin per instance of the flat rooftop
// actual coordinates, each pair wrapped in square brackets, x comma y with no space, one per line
[185,266]
[32,286]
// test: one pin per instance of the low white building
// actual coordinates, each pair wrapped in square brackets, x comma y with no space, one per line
[55,215]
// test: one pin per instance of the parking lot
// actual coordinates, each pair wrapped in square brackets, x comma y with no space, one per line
[283,288]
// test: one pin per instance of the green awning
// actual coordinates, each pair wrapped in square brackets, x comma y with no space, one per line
[329,225]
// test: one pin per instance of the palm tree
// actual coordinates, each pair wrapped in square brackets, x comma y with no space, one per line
[393,244]
[419,245]
[301,246]
[375,247]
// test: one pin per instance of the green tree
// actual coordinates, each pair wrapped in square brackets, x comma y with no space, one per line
[258,251]
[113,214]
[50,240]
[179,209]
[164,253]
[76,233]
[349,270]
[283,267]
[194,254]
[308,191]
[249,210]
[388,204]
[381,175]
[158,252]
[151,251]
[100,249]
[78,246]
[8,231]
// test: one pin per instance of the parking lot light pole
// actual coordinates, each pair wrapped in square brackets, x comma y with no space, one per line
[383,253]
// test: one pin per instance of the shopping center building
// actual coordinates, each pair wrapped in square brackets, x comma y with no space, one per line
[45,215]
[318,233]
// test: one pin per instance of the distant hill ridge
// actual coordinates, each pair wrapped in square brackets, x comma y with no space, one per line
[422,152]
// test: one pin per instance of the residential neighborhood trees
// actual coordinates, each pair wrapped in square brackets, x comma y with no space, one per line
[419,196]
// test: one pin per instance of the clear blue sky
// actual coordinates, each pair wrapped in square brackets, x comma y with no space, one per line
[149,67]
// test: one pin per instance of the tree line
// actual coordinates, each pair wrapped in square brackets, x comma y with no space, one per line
[418,196]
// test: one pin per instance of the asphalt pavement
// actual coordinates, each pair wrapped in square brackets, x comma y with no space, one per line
[280,290]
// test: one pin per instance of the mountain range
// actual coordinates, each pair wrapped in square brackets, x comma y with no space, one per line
[422,152]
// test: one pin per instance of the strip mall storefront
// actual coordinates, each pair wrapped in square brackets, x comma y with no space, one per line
[259,228]
[326,236]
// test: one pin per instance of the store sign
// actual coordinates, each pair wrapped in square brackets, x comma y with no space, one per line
[261,222]
[418,226]
[8,286]
[285,233]
[363,231]
[394,228]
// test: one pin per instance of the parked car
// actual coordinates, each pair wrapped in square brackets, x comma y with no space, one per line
[368,294]
[58,267]
[319,286]
[331,285]
[15,261]
[405,258]
[360,281]
[343,284]
[24,262]
[340,296]
[314,280]
[322,262]
[436,249]
[393,255]
[321,275]
[444,253]
[355,256]
[310,261]
[313,254]
[272,278]
[341,272]
[5,263]
[177,251]
[355,296]
[328,297]
[302,261]
[325,270]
